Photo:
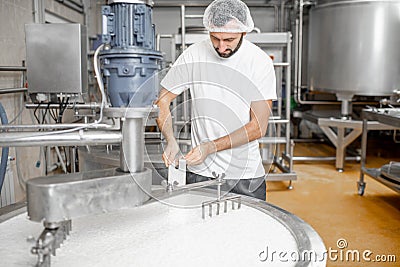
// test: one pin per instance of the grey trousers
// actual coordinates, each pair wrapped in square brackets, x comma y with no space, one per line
[255,187]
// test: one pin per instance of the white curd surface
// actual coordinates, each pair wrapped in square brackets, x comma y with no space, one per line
[156,234]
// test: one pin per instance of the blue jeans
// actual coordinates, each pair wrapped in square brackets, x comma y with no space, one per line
[255,187]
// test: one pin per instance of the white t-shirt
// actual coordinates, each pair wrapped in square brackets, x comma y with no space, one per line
[222,90]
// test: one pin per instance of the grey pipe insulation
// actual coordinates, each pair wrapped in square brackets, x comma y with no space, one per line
[4,151]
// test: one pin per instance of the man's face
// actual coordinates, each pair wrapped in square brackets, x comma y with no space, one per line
[226,43]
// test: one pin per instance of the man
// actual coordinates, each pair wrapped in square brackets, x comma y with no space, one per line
[232,85]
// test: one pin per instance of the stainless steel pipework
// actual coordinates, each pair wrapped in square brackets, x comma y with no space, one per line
[13,90]
[69,106]
[59,126]
[49,198]
[132,143]
[77,138]
[131,159]
[12,68]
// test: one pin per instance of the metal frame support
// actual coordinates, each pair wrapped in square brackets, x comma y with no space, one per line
[39,11]
[340,139]
[386,119]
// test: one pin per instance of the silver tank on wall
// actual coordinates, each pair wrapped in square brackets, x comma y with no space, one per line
[354,47]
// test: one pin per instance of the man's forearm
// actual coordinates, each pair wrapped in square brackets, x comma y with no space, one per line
[241,136]
[253,130]
[164,120]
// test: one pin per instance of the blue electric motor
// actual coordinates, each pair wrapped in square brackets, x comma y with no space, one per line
[131,64]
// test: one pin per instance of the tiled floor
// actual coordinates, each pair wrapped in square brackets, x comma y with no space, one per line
[328,201]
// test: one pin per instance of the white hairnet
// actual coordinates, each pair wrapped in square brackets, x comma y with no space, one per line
[228,16]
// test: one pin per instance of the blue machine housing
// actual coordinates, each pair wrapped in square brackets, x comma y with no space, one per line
[131,64]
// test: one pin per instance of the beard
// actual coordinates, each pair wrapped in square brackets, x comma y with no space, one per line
[229,52]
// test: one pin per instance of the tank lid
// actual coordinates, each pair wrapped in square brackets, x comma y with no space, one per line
[146,2]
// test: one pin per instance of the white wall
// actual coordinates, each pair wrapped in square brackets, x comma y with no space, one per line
[14,14]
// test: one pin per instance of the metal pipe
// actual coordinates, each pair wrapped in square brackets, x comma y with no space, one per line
[73,156]
[13,90]
[179,123]
[23,83]
[159,37]
[79,138]
[288,91]
[131,156]
[56,126]
[278,121]
[194,16]
[63,165]
[38,11]
[357,158]
[282,16]
[300,45]
[186,92]
[299,60]
[276,18]
[205,4]
[12,68]
[345,109]
[48,165]
[364,138]
[309,140]
[183,27]
[296,56]
[283,64]
[69,106]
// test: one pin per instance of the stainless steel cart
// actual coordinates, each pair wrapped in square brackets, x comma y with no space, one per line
[389,174]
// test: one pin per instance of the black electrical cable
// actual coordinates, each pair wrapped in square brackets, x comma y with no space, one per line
[63,107]
[60,111]
[53,114]
[45,113]
[34,113]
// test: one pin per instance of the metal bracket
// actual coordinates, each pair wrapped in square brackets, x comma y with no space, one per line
[176,176]
[49,240]
[108,24]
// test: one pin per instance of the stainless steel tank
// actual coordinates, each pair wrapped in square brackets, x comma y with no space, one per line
[171,232]
[354,47]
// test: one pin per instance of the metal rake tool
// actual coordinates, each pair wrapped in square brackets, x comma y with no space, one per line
[220,200]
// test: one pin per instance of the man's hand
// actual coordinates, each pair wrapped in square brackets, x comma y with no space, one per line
[170,152]
[198,154]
